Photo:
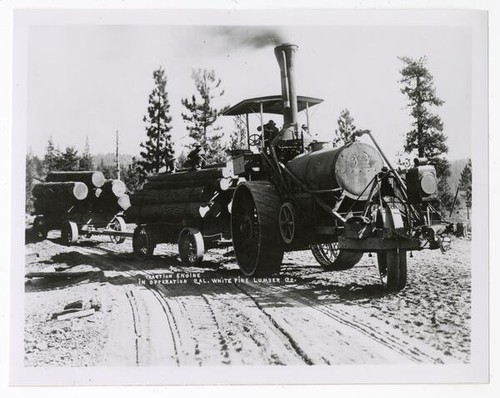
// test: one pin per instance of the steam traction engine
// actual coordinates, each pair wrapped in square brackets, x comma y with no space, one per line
[339,202]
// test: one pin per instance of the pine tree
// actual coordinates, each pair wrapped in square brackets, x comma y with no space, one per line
[238,139]
[132,177]
[346,128]
[158,150]
[106,169]
[426,139]
[68,160]
[86,161]
[34,174]
[30,174]
[181,160]
[466,186]
[51,157]
[201,115]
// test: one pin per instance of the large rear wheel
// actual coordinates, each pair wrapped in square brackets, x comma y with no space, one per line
[392,269]
[255,229]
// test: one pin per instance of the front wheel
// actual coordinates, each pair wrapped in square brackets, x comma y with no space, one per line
[331,258]
[191,247]
[392,269]
[325,253]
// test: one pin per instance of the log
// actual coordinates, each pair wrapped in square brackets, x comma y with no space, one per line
[49,208]
[179,195]
[201,174]
[91,178]
[218,184]
[124,202]
[75,314]
[60,191]
[166,212]
[115,188]
[105,199]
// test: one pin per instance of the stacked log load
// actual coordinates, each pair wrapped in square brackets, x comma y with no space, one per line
[173,197]
[79,192]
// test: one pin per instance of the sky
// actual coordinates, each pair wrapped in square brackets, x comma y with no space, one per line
[93,80]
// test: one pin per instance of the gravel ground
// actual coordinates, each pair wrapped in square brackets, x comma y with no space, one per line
[242,322]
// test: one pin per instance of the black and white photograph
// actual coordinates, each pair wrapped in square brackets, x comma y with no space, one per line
[249,196]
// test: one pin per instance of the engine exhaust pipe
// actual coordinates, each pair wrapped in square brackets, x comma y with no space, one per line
[285,54]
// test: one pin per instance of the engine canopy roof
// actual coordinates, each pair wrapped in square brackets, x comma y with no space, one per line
[270,104]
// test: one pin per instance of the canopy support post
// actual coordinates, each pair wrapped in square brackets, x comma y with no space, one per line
[307,118]
[248,131]
[262,125]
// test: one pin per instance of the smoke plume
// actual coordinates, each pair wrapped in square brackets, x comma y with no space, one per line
[249,37]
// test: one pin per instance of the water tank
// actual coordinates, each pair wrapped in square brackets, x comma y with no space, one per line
[351,167]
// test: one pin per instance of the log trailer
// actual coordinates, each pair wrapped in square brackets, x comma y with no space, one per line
[80,203]
[290,195]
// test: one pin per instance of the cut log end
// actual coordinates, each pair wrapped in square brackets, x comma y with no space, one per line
[98,179]
[118,188]
[80,191]
[124,202]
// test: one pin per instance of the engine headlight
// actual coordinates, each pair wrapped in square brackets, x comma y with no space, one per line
[428,183]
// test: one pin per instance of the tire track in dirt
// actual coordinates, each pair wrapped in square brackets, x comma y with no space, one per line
[285,334]
[201,332]
[251,338]
[317,336]
[376,330]
[174,330]
[193,342]
[267,346]
[200,338]
[244,338]
[133,306]
[150,346]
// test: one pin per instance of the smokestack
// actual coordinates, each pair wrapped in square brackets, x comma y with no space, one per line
[285,54]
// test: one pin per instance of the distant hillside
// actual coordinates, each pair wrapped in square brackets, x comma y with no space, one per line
[109,159]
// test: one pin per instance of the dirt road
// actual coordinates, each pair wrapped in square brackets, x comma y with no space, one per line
[161,313]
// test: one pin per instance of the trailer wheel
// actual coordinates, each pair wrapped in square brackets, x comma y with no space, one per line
[255,229]
[392,269]
[331,258]
[69,233]
[191,247]
[142,243]
[118,225]
[39,229]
